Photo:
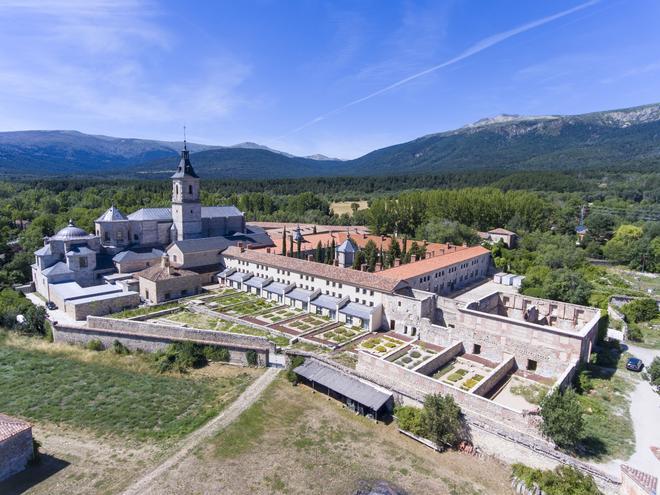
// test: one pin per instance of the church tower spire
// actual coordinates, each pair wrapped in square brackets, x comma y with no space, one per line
[186,205]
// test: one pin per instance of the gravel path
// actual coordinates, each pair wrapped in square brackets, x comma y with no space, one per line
[224,419]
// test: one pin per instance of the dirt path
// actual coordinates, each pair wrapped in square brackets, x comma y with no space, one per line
[245,400]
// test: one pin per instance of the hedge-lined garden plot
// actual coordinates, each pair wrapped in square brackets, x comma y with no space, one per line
[414,356]
[462,373]
[307,323]
[341,334]
[279,314]
[381,345]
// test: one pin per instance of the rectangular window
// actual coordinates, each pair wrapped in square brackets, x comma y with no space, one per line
[531,365]
[83,262]
[476,349]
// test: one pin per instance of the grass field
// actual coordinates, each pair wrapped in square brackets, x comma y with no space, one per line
[295,441]
[102,419]
[608,432]
[105,393]
[341,207]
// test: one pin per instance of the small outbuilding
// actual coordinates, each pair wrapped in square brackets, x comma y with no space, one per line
[16,448]
[357,395]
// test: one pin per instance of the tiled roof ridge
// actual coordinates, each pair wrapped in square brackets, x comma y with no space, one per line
[10,426]
[646,481]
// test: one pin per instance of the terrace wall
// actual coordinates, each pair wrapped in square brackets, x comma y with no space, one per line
[437,362]
[495,377]
[152,337]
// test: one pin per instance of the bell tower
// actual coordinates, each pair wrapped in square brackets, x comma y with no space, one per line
[186,207]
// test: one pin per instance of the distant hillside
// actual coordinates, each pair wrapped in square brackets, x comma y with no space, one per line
[554,142]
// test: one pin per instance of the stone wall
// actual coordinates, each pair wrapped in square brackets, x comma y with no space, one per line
[495,377]
[152,337]
[81,309]
[418,386]
[438,361]
[15,453]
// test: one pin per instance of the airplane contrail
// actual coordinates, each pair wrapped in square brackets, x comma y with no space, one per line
[472,50]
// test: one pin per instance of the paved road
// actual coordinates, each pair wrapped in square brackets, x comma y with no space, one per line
[224,419]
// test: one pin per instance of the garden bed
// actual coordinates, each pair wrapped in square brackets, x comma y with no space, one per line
[414,356]
[381,345]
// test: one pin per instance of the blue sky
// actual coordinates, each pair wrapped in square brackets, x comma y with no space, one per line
[332,77]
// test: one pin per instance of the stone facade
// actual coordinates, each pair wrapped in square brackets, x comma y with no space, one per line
[16,448]
[80,309]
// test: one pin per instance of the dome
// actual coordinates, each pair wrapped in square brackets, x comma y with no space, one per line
[70,232]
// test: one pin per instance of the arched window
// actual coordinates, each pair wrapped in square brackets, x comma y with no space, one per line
[190,189]
[176,188]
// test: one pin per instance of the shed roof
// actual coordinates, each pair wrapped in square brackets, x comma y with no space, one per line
[325,301]
[276,288]
[358,310]
[344,384]
[299,294]
[256,282]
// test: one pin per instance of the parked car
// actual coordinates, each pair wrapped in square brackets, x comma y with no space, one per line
[51,305]
[634,364]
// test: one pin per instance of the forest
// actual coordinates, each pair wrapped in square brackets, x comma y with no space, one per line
[621,213]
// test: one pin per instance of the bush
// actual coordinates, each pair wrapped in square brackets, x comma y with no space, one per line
[119,348]
[563,480]
[416,354]
[635,332]
[180,356]
[252,357]
[582,381]
[409,418]
[562,418]
[95,345]
[654,371]
[644,309]
[294,362]
[218,354]
[381,348]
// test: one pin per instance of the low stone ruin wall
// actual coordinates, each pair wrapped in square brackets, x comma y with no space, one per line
[494,377]
[442,358]
[152,337]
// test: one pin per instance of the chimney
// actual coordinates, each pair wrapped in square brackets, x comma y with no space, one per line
[397,262]
[379,266]
[363,267]
[268,250]
[165,261]
[336,262]
[442,251]
[310,257]
[413,258]
[240,246]
[465,244]
[364,236]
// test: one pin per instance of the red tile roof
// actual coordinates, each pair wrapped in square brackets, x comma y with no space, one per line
[431,264]
[646,481]
[11,426]
[335,273]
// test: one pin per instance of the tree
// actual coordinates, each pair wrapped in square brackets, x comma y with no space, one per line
[447,232]
[393,252]
[441,419]
[370,255]
[568,286]
[563,480]
[654,371]
[643,309]
[621,247]
[319,255]
[562,418]
[284,241]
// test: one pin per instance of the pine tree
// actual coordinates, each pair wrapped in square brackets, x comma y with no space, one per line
[284,241]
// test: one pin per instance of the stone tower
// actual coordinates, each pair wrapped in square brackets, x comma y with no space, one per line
[186,207]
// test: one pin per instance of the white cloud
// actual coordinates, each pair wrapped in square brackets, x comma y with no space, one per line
[89,61]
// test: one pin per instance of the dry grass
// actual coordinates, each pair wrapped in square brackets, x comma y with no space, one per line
[341,207]
[297,442]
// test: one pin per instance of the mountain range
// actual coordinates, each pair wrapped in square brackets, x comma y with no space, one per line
[551,142]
